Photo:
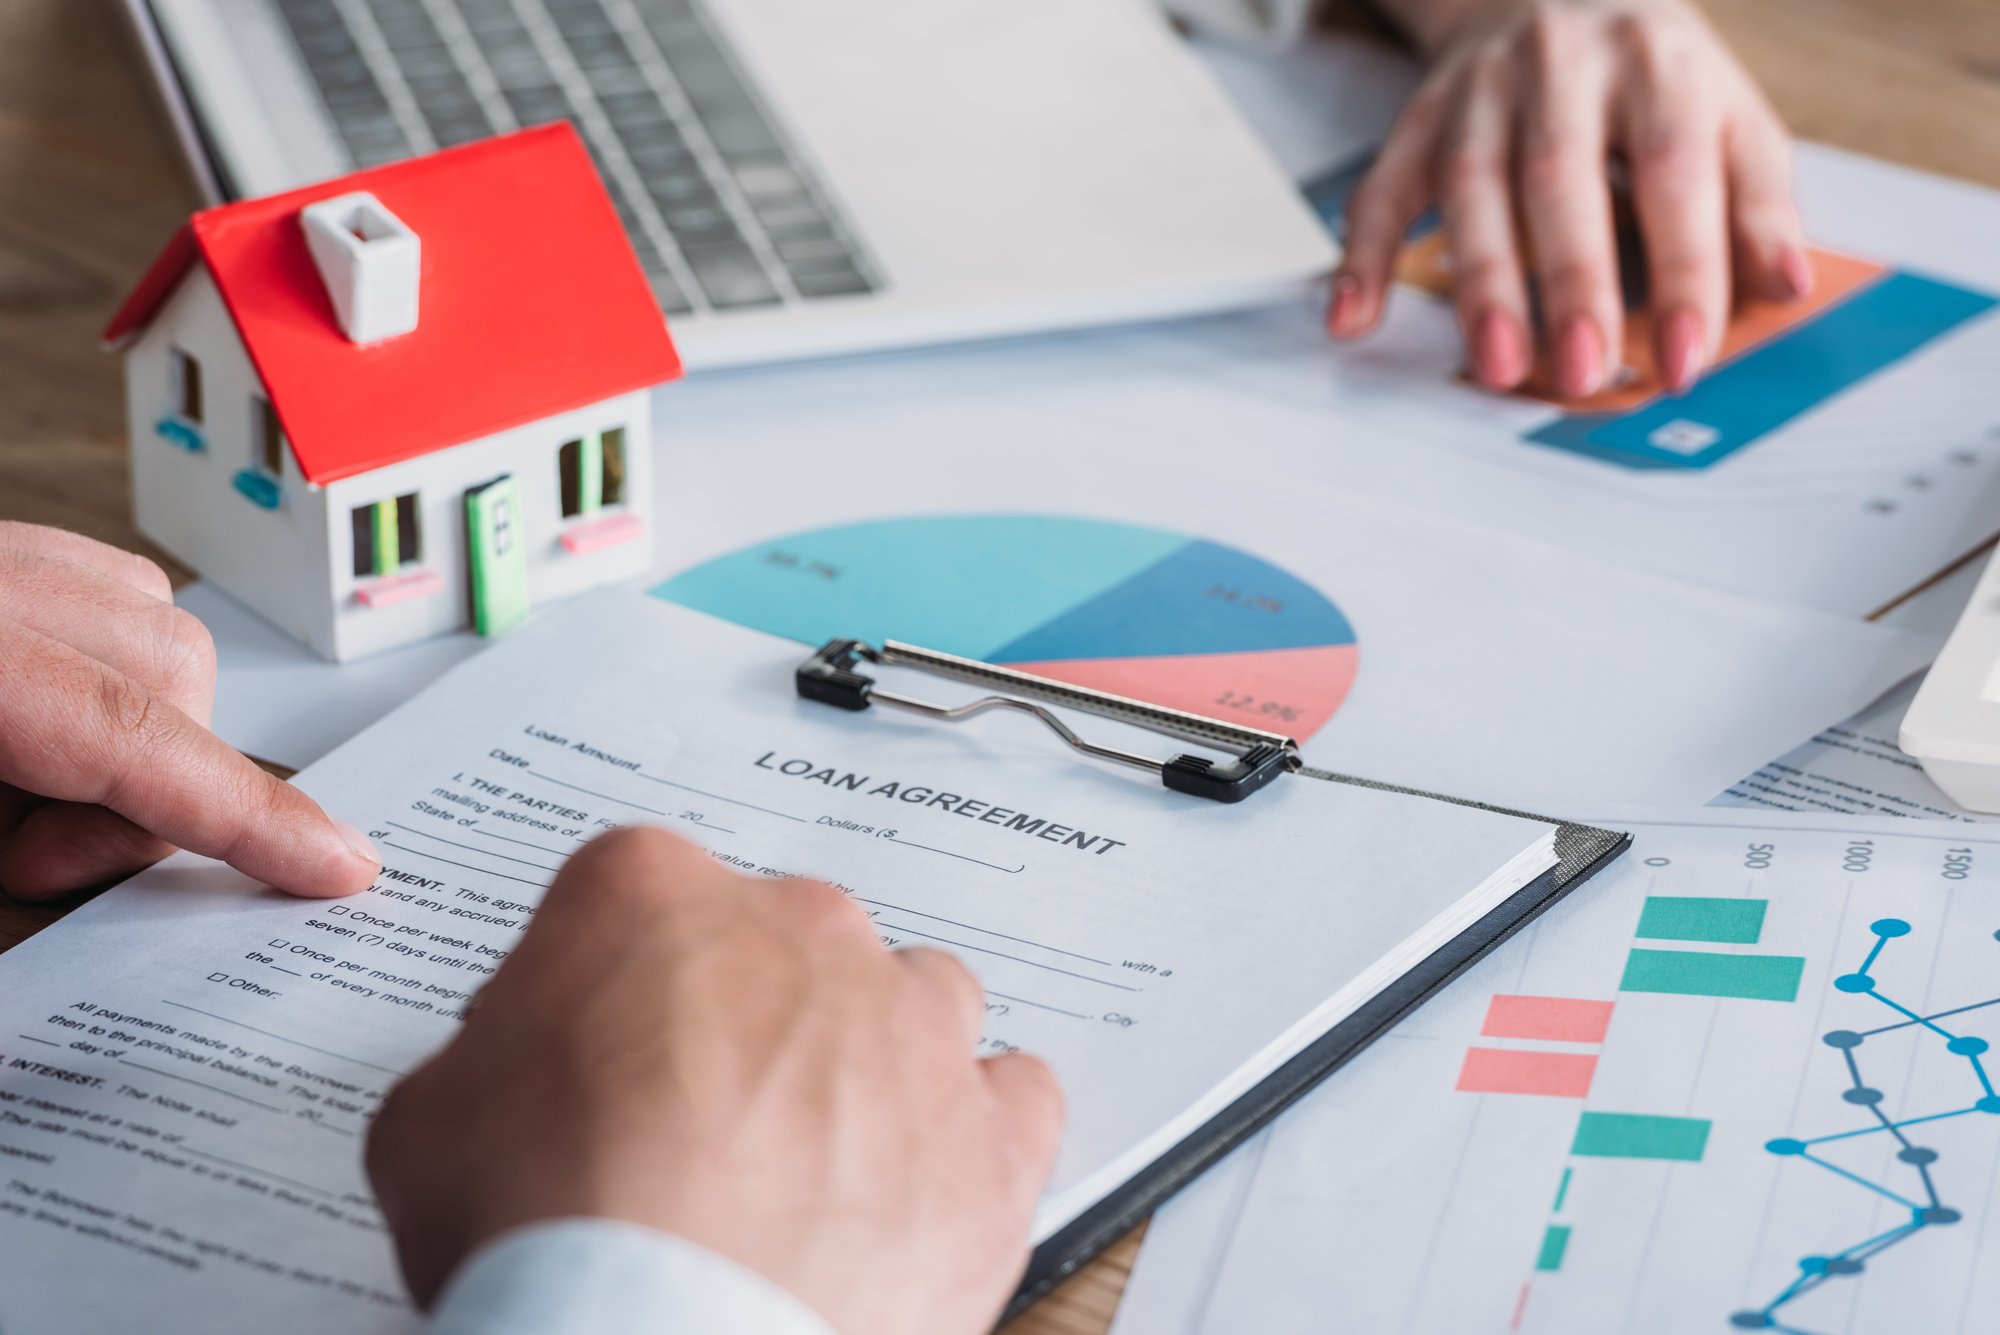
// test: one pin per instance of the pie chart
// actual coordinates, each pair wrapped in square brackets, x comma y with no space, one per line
[1157,616]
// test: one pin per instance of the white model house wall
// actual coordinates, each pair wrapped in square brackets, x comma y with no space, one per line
[186,499]
[440,480]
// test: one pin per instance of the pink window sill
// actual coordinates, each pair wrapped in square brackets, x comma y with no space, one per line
[594,535]
[388,590]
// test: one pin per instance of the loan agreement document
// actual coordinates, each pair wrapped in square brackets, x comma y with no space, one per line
[188,1064]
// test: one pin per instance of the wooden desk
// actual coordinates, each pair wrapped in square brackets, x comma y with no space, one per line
[90,187]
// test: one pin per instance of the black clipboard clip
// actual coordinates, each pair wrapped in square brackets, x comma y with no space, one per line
[831,677]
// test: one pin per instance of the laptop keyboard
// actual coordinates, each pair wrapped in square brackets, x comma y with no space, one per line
[722,211]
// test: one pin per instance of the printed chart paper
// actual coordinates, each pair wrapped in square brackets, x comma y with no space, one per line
[1439,656]
[1740,1082]
[1422,651]
[1845,447]
[1853,767]
[1883,480]
[1856,766]
[1867,486]
[188,1063]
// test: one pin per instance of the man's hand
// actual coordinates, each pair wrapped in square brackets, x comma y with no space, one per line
[106,762]
[1513,136]
[739,1063]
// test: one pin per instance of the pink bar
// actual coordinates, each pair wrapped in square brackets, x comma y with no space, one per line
[392,589]
[1553,1019]
[595,535]
[1563,1075]
[1520,1309]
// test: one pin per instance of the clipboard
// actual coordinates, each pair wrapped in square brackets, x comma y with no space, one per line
[1249,761]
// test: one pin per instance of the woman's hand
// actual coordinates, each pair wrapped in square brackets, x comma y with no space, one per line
[1514,136]
[106,761]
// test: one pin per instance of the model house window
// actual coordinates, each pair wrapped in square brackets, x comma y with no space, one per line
[184,384]
[592,470]
[260,482]
[387,537]
[269,436]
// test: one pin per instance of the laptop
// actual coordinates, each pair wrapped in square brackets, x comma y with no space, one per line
[799,177]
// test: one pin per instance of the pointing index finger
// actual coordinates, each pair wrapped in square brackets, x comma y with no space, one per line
[78,731]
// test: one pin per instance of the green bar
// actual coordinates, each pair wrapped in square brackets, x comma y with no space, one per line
[1637,1136]
[1562,1192]
[1686,918]
[1699,973]
[388,541]
[590,474]
[1554,1243]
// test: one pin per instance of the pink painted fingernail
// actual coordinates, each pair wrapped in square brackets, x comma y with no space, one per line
[1680,348]
[1344,315]
[1579,359]
[1796,268]
[1499,351]
[358,842]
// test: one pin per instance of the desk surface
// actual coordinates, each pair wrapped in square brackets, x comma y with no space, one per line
[90,186]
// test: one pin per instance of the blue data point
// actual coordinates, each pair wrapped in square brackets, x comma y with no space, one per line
[1785,1145]
[1863,1095]
[1967,1046]
[1938,1214]
[1842,1038]
[1989,1104]
[1917,1154]
[1813,1265]
[1889,927]
[1752,1321]
[1854,982]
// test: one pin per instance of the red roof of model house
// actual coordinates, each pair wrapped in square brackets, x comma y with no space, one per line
[532,303]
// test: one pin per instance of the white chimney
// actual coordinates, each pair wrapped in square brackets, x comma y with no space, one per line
[369,261]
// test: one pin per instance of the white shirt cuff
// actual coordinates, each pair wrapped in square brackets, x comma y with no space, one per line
[603,1277]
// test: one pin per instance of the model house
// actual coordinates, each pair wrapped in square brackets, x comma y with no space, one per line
[403,402]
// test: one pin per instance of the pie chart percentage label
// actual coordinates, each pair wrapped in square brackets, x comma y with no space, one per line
[1157,616]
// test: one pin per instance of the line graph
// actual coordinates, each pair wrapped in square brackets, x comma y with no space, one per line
[1926,1206]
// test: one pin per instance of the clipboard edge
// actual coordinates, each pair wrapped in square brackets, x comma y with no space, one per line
[1581,852]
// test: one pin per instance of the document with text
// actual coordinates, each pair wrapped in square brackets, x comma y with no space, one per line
[188,1065]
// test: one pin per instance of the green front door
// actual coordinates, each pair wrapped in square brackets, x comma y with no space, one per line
[496,556]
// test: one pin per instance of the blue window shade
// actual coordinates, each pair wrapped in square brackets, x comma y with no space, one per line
[260,487]
[176,432]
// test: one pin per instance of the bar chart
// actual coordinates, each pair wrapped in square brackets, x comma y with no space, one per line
[1740,1083]
[1774,362]
[1708,956]
[1839,448]
[1778,365]
[1691,968]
